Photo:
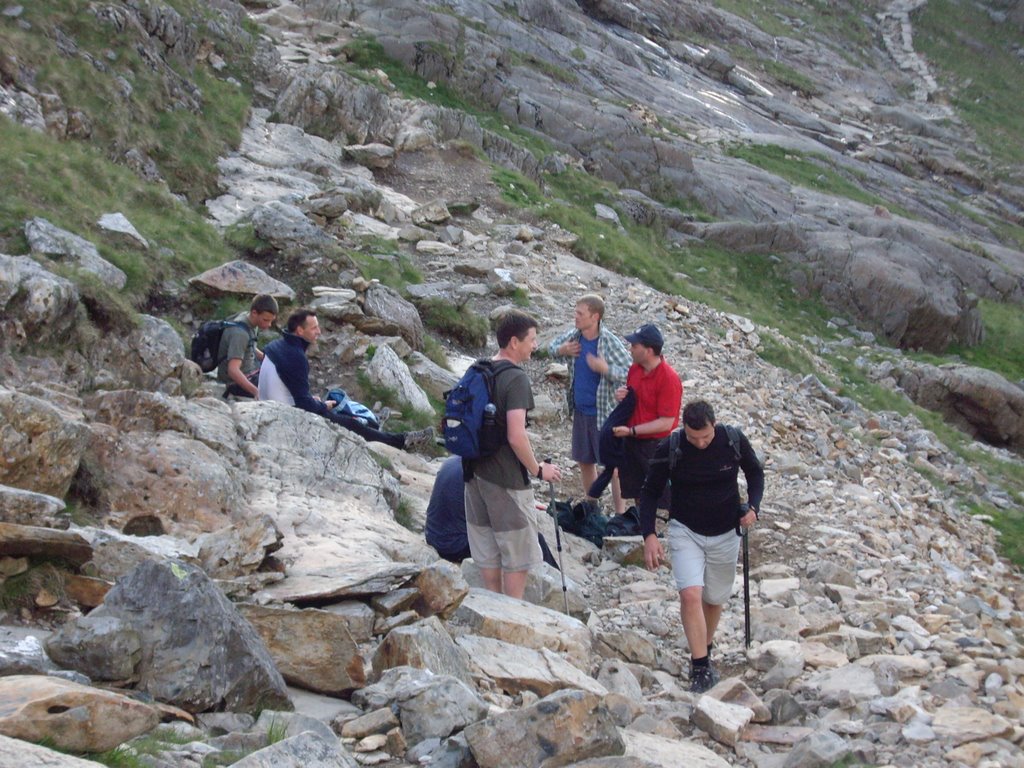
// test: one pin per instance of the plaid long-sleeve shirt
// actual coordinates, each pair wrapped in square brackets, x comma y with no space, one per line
[611,348]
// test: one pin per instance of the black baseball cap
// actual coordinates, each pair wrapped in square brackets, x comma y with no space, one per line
[648,335]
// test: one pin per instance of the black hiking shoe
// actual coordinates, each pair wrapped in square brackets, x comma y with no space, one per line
[703,679]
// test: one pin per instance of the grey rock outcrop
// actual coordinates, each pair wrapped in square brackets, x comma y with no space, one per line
[240,277]
[220,663]
[979,401]
[37,305]
[42,444]
[49,240]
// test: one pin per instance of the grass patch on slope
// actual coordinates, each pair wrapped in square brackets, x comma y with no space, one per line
[72,185]
[809,170]
[132,102]
[824,20]
[1003,348]
[977,60]
[366,54]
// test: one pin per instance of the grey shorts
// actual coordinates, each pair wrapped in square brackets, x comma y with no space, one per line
[585,438]
[501,525]
[703,561]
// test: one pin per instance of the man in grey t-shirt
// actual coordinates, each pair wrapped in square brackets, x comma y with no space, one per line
[500,519]
[239,357]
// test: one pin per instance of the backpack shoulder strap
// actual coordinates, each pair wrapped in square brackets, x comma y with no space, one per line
[734,435]
[673,448]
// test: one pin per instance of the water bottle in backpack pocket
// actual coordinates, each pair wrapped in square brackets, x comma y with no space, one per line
[470,425]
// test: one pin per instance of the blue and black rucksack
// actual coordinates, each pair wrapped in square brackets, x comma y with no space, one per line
[469,427]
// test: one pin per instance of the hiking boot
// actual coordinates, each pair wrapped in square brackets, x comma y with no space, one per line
[703,679]
[419,440]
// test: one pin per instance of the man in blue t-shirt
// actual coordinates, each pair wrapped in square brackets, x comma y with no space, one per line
[598,366]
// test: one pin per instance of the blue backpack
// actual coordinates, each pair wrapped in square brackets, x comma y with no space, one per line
[469,427]
[346,406]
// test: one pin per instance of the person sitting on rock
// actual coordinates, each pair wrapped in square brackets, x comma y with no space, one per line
[284,378]
[239,366]
[445,530]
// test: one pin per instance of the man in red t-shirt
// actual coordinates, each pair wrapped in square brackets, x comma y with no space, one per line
[659,396]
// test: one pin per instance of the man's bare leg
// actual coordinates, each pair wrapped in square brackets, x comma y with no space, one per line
[691,611]
[515,583]
[712,613]
[492,579]
[617,501]
[588,475]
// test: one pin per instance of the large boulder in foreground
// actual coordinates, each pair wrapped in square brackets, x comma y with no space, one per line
[198,653]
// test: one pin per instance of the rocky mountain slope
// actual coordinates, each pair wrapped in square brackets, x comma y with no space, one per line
[886,628]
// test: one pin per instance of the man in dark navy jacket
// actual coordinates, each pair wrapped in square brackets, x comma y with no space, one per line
[284,377]
[702,531]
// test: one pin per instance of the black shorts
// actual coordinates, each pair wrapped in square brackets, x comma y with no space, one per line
[633,471]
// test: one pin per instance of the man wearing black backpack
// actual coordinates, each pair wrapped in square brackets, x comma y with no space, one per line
[705,517]
[239,366]
[500,519]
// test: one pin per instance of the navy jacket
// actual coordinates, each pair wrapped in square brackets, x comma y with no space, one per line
[610,448]
[289,357]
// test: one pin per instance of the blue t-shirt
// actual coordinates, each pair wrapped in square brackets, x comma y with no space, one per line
[585,381]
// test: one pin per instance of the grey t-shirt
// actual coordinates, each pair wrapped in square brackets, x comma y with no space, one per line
[512,391]
[237,342]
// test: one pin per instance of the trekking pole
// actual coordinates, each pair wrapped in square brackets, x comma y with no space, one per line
[746,588]
[558,539]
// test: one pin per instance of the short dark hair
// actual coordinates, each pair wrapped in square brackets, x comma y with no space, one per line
[264,302]
[516,323]
[298,318]
[698,414]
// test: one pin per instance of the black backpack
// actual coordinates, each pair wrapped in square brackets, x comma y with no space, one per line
[583,519]
[731,432]
[626,524]
[205,346]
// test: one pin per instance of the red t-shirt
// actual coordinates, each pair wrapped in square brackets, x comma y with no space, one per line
[658,393]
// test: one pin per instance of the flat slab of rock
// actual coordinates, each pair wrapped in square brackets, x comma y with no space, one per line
[240,277]
[306,750]
[520,623]
[787,735]
[669,753]
[560,729]
[69,715]
[312,649]
[31,508]
[25,755]
[515,669]
[963,724]
[359,580]
[33,541]
[118,224]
